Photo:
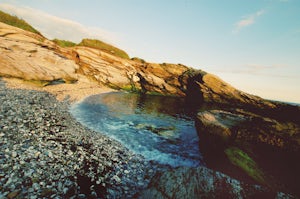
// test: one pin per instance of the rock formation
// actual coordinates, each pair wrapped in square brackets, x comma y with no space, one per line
[30,56]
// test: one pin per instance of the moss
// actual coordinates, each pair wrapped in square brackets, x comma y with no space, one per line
[127,88]
[17,22]
[131,88]
[93,43]
[242,160]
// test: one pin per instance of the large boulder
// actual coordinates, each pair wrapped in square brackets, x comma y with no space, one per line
[227,127]
[251,147]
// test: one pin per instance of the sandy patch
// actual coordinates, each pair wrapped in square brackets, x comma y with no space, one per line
[73,92]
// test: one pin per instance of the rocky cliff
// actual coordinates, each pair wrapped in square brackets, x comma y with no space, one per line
[32,57]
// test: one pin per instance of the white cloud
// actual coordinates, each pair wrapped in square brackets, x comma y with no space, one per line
[274,70]
[247,21]
[258,68]
[55,27]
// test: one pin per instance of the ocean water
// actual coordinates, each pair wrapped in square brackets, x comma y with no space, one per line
[159,128]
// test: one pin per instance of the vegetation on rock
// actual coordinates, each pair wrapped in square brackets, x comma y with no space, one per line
[64,43]
[242,160]
[137,59]
[94,43]
[17,22]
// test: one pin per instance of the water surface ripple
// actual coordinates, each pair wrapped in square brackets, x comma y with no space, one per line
[159,128]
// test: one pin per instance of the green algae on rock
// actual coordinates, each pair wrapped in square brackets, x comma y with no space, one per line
[242,160]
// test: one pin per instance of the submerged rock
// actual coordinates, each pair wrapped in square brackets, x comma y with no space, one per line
[168,132]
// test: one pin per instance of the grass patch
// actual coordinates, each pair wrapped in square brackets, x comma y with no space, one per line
[17,22]
[242,160]
[64,43]
[94,43]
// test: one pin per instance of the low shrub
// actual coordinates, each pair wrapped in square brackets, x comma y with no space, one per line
[97,44]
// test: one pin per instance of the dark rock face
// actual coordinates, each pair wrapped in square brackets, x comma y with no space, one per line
[202,182]
[262,150]
[205,87]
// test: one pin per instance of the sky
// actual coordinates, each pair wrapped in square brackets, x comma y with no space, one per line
[254,45]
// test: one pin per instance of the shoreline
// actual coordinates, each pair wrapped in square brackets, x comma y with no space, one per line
[45,152]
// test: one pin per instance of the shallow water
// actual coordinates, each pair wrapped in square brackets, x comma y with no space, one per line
[159,128]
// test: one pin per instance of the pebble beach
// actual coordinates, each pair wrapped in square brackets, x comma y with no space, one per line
[46,153]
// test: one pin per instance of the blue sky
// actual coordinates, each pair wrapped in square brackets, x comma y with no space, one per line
[252,44]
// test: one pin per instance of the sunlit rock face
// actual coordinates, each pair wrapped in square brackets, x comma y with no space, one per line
[29,56]
[128,75]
